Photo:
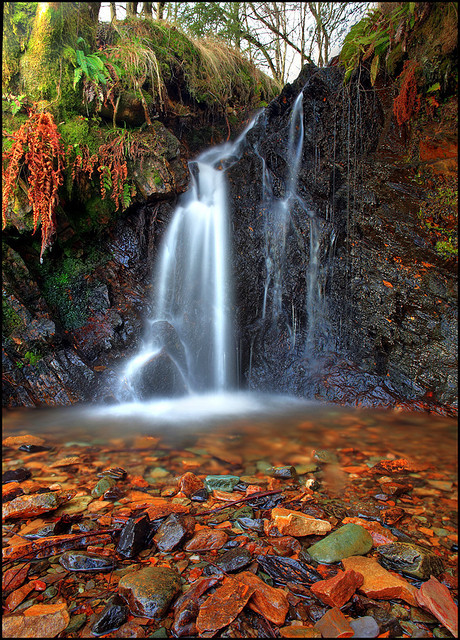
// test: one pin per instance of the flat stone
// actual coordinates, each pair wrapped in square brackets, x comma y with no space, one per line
[112,617]
[17,441]
[84,561]
[296,523]
[223,606]
[221,483]
[232,560]
[206,539]
[299,631]
[173,531]
[435,598]
[334,625]
[338,590]
[284,473]
[410,558]
[38,621]
[269,602]
[378,582]
[348,540]
[150,591]
[16,475]
[33,505]
[365,627]
[134,536]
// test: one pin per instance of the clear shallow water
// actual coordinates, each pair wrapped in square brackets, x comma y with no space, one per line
[281,428]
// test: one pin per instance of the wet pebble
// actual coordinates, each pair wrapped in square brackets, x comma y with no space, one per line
[83,561]
[410,558]
[135,536]
[221,483]
[112,617]
[284,473]
[150,591]
[349,540]
[365,627]
[231,561]
[117,473]
[103,485]
[173,531]
[206,539]
[33,448]
[16,475]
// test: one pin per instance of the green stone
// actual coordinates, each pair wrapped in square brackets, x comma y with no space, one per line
[76,622]
[349,540]
[328,457]
[159,633]
[221,483]
[103,485]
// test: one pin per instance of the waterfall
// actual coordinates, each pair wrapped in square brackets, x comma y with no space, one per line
[188,345]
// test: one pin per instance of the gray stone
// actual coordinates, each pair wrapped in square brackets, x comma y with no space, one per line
[160,377]
[365,627]
[150,591]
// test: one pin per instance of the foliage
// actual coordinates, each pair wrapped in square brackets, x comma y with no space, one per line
[37,152]
[439,216]
[18,20]
[407,102]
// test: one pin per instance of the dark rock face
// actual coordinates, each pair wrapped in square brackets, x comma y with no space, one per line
[385,319]
[159,377]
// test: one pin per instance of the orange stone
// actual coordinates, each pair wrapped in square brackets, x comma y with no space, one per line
[270,602]
[206,539]
[378,582]
[435,597]
[38,621]
[334,625]
[223,605]
[189,483]
[297,524]
[17,441]
[338,590]
[299,631]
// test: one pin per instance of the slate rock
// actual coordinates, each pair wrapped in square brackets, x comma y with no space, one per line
[150,591]
[385,621]
[135,536]
[334,625]
[231,561]
[284,473]
[410,558]
[103,485]
[285,570]
[348,540]
[173,531]
[84,561]
[16,475]
[112,617]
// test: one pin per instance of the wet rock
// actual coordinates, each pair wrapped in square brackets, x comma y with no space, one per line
[221,483]
[159,377]
[189,484]
[17,441]
[251,523]
[325,456]
[334,625]
[150,591]
[117,473]
[410,558]
[435,598]
[380,535]
[206,539]
[284,473]
[163,333]
[271,603]
[365,627]
[287,569]
[83,561]
[299,631]
[135,536]
[173,531]
[37,621]
[33,505]
[200,496]
[378,582]
[186,607]
[338,590]
[231,561]
[16,475]
[387,623]
[350,539]
[103,485]
[112,617]
[296,523]
[285,545]
[33,448]
[223,606]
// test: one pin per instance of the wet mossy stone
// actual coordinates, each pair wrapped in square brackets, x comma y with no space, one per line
[410,558]
[349,540]
[150,591]
[221,483]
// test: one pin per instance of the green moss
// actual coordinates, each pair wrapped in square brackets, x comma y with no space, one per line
[32,357]
[11,321]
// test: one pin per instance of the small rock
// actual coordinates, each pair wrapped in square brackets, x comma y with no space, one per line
[348,540]
[284,473]
[338,590]
[328,457]
[173,531]
[435,597]
[378,582]
[269,602]
[103,485]
[189,484]
[365,627]
[206,539]
[112,617]
[117,473]
[232,560]
[296,523]
[223,606]
[16,475]
[150,591]
[410,558]
[38,621]
[33,505]
[33,448]
[200,496]
[334,625]
[17,441]
[221,483]
[83,561]
[299,631]
[135,536]
[386,622]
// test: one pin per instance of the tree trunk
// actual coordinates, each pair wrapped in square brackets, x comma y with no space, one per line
[131,8]
[160,10]
[147,9]
[113,12]
[93,10]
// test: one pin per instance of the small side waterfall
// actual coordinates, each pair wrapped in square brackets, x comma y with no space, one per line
[188,346]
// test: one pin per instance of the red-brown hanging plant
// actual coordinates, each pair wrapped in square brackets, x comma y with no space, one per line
[407,102]
[36,146]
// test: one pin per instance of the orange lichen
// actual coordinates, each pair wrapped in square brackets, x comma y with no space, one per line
[407,102]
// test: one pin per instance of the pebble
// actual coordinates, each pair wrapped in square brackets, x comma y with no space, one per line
[33,505]
[189,484]
[173,531]
[435,597]
[334,625]
[349,540]
[223,606]
[37,621]
[232,560]
[206,539]
[16,475]
[135,536]
[336,591]
[112,617]
[103,485]
[150,591]
[365,627]
[84,561]
[221,483]
[284,473]
[297,524]
[410,558]
[269,602]
[17,441]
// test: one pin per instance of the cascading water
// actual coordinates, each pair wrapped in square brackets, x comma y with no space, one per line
[188,346]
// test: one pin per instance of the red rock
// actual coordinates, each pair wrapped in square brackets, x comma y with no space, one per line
[271,603]
[299,631]
[338,590]
[380,535]
[38,621]
[334,625]
[32,505]
[378,582]
[395,488]
[435,598]
[18,596]
[223,605]
[160,510]
[296,523]
[189,483]
[285,545]
[206,539]
[14,577]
